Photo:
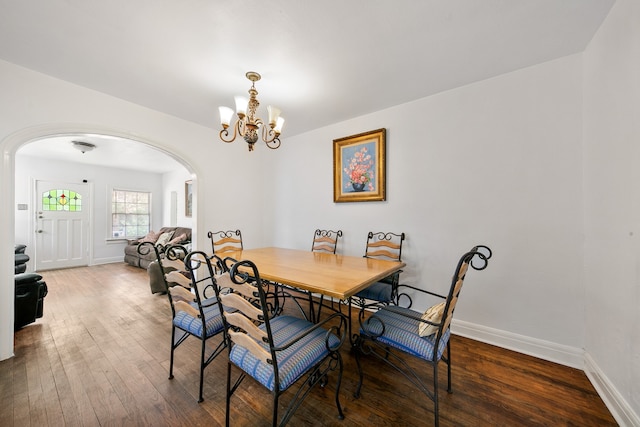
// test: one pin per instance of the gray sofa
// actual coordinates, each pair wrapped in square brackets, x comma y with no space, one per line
[132,257]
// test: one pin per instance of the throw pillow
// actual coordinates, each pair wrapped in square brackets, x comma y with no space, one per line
[178,239]
[151,237]
[164,238]
[433,314]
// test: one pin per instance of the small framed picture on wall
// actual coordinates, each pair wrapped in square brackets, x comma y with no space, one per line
[188,199]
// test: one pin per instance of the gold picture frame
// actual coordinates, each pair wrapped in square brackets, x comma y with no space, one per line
[188,199]
[359,167]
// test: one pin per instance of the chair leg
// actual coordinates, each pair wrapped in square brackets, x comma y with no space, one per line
[200,397]
[228,394]
[449,389]
[338,382]
[358,343]
[173,338]
[275,408]
[435,395]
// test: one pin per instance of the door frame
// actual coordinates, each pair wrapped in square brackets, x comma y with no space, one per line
[33,224]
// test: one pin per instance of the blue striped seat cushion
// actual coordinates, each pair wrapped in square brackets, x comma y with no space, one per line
[379,291]
[193,325]
[401,332]
[294,361]
[208,305]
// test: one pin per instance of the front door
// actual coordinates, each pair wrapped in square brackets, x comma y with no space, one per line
[62,225]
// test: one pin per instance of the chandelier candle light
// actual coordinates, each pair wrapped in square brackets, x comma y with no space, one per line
[248,125]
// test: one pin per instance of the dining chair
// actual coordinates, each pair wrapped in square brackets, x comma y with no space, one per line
[325,241]
[388,246]
[223,242]
[194,307]
[277,352]
[393,334]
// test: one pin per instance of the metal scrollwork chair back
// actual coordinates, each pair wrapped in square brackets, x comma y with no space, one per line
[393,333]
[325,241]
[381,245]
[223,242]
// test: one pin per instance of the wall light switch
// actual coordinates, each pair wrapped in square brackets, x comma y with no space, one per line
[23,207]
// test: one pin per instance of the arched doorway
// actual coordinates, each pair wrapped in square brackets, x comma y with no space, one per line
[9,148]
[103,166]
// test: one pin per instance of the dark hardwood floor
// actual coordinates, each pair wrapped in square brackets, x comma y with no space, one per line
[100,356]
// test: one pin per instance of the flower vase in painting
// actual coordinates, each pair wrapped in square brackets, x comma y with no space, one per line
[359,171]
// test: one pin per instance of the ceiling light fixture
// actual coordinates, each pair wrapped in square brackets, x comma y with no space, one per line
[83,146]
[248,125]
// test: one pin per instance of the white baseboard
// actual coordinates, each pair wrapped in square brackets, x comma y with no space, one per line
[620,409]
[562,354]
[546,350]
[98,261]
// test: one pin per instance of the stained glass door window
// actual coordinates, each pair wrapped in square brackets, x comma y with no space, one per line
[61,200]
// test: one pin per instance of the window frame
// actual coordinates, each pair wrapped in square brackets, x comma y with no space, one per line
[111,213]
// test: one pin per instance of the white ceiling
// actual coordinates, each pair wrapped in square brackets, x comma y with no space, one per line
[321,62]
[110,151]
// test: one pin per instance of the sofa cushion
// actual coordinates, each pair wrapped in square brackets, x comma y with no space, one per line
[151,237]
[182,230]
[164,238]
[177,238]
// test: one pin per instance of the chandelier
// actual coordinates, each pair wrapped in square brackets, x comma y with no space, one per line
[248,125]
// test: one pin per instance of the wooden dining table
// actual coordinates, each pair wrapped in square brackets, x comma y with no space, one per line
[337,276]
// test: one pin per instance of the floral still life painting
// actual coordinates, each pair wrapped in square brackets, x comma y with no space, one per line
[359,167]
[358,172]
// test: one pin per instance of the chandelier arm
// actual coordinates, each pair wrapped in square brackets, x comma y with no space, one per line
[225,132]
[269,135]
[273,144]
[241,126]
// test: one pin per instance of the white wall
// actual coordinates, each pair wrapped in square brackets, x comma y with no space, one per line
[174,181]
[612,208]
[102,181]
[497,163]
